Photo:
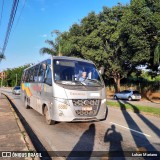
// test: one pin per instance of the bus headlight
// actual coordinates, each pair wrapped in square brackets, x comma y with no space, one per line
[64,101]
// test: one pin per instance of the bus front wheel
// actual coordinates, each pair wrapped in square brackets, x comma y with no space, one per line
[49,121]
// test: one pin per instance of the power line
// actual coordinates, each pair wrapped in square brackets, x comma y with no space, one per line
[10,24]
[12,16]
[20,15]
[1,12]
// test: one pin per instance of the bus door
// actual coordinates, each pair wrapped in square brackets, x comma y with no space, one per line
[40,85]
[44,94]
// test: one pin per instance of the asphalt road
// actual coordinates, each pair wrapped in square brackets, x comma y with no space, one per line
[122,131]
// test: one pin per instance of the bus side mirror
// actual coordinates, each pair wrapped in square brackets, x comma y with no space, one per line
[44,66]
[101,70]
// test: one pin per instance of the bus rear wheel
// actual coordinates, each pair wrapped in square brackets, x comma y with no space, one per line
[26,104]
[49,121]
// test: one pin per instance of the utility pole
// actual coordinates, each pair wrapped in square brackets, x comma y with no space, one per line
[1,82]
[1,85]
[16,79]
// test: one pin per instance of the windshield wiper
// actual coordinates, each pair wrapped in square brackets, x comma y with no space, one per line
[69,82]
[82,83]
[95,80]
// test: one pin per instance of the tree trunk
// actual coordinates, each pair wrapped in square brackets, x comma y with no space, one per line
[118,84]
[117,81]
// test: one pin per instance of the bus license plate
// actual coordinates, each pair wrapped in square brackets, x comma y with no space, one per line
[87,108]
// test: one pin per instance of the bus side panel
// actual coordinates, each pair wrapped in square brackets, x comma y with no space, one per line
[44,97]
[29,91]
[33,98]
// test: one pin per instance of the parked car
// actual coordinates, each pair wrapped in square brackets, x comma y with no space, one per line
[128,94]
[16,90]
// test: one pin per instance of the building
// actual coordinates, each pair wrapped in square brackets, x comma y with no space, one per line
[2,75]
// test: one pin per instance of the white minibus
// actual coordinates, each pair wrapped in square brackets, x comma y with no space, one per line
[65,89]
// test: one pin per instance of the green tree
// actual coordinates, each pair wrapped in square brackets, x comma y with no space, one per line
[13,76]
[114,59]
[72,41]
[97,39]
[157,55]
[120,38]
[139,31]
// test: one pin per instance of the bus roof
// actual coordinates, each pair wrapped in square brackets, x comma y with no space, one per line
[64,58]
[72,58]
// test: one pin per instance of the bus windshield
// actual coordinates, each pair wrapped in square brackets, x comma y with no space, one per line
[70,72]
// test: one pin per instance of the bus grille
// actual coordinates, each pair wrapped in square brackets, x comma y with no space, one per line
[86,113]
[86,107]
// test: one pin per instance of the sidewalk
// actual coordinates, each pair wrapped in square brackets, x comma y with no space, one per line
[11,136]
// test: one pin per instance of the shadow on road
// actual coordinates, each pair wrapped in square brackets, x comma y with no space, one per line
[84,147]
[155,129]
[140,140]
[114,138]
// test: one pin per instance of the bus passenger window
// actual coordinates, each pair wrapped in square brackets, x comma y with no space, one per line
[31,74]
[48,79]
[36,73]
[41,74]
[27,76]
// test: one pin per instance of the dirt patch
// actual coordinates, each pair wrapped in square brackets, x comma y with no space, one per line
[155,97]
[109,94]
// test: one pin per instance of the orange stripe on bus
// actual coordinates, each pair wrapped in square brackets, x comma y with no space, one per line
[28,92]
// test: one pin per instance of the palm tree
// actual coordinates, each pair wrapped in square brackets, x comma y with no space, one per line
[58,40]
[50,51]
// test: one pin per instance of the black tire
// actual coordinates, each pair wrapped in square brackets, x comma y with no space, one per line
[129,98]
[115,97]
[48,120]
[26,104]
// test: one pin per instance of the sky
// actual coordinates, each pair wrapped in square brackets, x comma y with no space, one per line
[34,22]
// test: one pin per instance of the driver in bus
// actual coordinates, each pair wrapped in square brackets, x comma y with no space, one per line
[83,76]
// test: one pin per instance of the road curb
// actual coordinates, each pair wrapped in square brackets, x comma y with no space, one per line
[23,131]
[31,137]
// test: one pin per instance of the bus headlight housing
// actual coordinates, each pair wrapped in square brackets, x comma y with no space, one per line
[64,101]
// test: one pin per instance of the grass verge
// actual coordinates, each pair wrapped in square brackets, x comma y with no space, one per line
[135,108]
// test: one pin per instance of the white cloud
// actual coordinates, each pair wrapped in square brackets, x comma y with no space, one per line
[43,36]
